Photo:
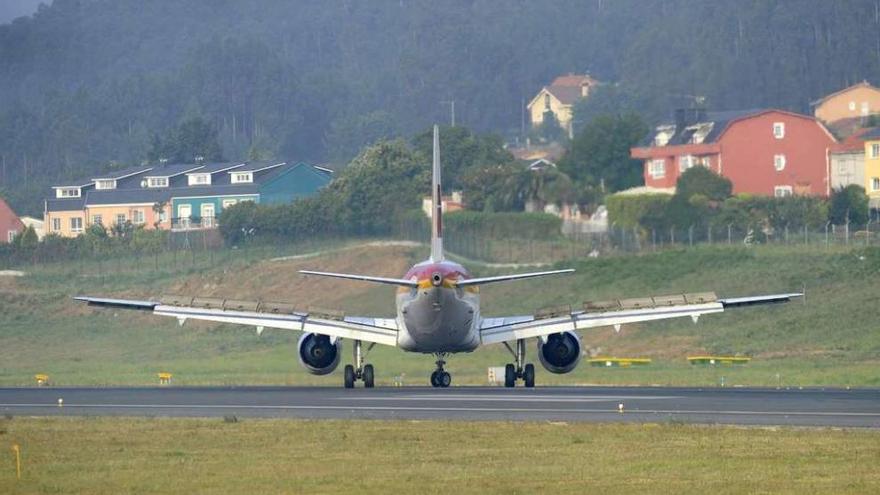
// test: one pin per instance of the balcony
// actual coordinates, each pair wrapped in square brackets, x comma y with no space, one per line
[193,223]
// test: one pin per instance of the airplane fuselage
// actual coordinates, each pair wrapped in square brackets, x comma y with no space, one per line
[437,316]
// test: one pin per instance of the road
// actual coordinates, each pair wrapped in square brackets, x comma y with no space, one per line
[808,407]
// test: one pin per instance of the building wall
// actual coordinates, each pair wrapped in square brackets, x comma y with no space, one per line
[872,171]
[64,217]
[300,181]
[537,109]
[197,202]
[109,214]
[839,106]
[847,169]
[672,157]
[9,222]
[748,147]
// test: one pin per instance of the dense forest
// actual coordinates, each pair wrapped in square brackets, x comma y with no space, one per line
[89,84]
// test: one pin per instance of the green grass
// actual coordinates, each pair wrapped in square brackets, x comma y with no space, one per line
[112,455]
[832,340]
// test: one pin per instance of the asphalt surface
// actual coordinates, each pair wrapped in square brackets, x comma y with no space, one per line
[809,407]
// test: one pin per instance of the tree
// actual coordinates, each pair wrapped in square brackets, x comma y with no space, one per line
[549,130]
[701,180]
[849,204]
[600,154]
[461,150]
[192,139]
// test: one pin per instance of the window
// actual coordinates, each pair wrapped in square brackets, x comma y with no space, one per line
[56,224]
[199,179]
[120,219]
[875,184]
[241,177]
[105,184]
[10,236]
[97,220]
[779,162]
[657,169]
[865,108]
[163,217]
[229,202]
[76,225]
[852,106]
[137,217]
[157,182]
[782,191]
[68,192]
[546,102]
[875,150]
[779,130]
[685,162]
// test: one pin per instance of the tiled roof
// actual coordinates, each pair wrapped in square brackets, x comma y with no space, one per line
[212,168]
[127,196]
[172,170]
[567,95]
[575,80]
[119,174]
[863,84]
[715,122]
[67,204]
[255,166]
[855,142]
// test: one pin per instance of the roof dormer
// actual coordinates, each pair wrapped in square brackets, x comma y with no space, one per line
[64,192]
[242,177]
[105,184]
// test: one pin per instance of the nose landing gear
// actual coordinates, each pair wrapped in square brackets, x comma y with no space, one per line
[513,372]
[440,378]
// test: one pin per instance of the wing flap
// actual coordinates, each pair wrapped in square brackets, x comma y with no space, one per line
[375,330]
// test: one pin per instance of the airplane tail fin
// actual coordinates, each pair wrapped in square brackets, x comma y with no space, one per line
[436,203]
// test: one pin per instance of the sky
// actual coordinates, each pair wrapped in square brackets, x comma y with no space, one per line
[10,9]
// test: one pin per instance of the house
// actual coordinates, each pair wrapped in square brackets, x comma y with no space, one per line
[847,161]
[450,203]
[64,212]
[767,152]
[34,223]
[10,224]
[872,167]
[199,203]
[845,110]
[175,196]
[559,97]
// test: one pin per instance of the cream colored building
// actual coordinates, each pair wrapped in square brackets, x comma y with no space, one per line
[845,110]
[559,97]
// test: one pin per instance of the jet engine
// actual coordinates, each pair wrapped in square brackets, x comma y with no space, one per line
[560,353]
[317,354]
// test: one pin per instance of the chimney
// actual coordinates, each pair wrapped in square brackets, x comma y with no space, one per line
[680,119]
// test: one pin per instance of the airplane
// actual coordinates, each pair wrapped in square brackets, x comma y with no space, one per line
[438,313]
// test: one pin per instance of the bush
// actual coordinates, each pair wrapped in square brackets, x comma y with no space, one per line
[630,211]
[504,225]
[849,204]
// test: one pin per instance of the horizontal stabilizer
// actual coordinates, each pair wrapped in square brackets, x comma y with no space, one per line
[364,278]
[735,302]
[118,303]
[505,278]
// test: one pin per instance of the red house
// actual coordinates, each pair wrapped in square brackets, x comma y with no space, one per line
[767,152]
[10,225]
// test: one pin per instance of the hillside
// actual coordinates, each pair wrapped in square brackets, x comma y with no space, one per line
[830,340]
[88,83]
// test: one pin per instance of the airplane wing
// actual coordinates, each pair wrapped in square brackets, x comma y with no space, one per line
[616,313]
[262,315]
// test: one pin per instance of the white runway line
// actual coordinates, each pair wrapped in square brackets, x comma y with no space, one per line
[449,409]
[510,398]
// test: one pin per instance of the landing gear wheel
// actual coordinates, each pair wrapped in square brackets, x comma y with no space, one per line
[509,376]
[367,376]
[349,376]
[434,382]
[529,375]
[444,379]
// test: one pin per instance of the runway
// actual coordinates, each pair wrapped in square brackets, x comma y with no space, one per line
[809,407]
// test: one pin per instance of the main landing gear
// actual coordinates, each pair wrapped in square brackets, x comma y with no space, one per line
[512,372]
[440,378]
[359,371]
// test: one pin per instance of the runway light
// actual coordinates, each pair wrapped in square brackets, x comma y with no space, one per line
[60,402]
[620,408]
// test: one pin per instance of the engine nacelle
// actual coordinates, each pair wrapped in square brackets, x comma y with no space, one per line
[317,354]
[560,353]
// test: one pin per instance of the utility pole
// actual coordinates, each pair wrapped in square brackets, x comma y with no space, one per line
[451,104]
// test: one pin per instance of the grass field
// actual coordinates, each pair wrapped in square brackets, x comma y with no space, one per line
[112,456]
[833,339]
